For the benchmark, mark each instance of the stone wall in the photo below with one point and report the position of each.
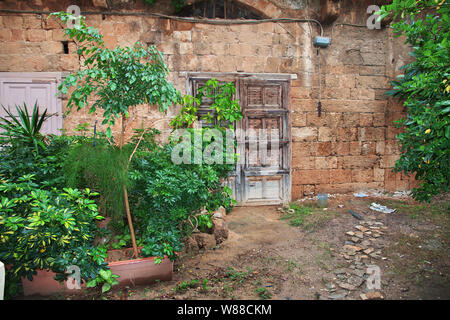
(350, 147)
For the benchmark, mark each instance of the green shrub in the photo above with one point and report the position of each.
(168, 198)
(47, 229)
(46, 166)
(424, 89)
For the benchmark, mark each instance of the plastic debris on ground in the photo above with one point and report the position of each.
(378, 207)
(355, 215)
(401, 194)
(360, 195)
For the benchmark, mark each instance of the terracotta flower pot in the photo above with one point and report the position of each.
(141, 270)
(44, 284)
(131, 272)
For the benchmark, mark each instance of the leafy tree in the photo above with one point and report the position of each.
(118, 79)
(424, 89)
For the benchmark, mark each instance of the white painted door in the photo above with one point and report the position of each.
(31, 88)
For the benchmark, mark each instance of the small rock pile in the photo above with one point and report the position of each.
(362, 248)
(209, 240)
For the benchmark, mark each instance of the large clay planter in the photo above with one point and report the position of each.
(131, 272)
(141, 271)
(44, 284)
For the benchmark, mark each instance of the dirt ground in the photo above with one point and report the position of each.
(323, 254)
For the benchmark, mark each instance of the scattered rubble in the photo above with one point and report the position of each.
(220, 213)
(362, 248)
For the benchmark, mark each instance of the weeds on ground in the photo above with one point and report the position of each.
(263, 293)
(308, 216)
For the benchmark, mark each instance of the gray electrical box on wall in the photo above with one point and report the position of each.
(322, 42)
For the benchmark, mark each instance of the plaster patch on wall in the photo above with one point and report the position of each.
(306, 56)
(291, 4)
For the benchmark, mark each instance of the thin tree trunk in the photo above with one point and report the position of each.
(130, 222)
(125, 196)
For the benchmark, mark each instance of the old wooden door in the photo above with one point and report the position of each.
(264, 143)
(262, 175)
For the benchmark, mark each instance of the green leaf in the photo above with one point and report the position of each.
(108, 132)
(106, 287)
(91, 283)
(105, 274)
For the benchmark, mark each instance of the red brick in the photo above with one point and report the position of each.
(350, 119)
(341, 148)
(349, 187)
(51, 47)
(32, 22)
(327, 134)
(302, 149)
(5, 34)
(309, 189)
(392, 147)
(325, 162)
(121, 29)
(300, 93)
(346, 134)
(36, 35)
(373, 82)
(323, 148)
(304, 163)
(313, 119)
(380, 147)
(365, 119)
(271, 65)
(368, 148)
(304, 105)
(354, 106)
(333, 93)
(362, 175)
(12, 21)
(311, 176)
(111, 41)
(17, 34)
(304, 134)
(355, 148)
(69, 62)
(192, 62)
(372, 70)
(340, 176)
(58, 35)
(182, 26)
(49, 22)
(297, 192)
(388, 161)
(371, 133)
(392, 132)
(299, 119)
(350, 162)
(378, 119)
(378, 174)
